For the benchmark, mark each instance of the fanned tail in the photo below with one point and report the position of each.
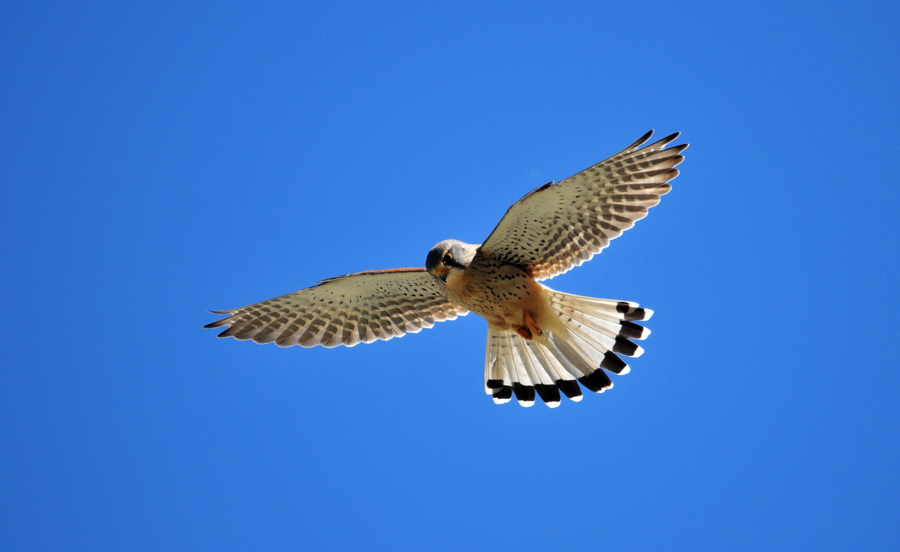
(593, 333)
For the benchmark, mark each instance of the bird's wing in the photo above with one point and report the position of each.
(559, 226)
(346, 310)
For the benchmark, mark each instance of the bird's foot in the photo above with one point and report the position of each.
(532, 325)
(529, 329)
(523, 331)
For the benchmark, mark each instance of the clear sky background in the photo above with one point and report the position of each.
(159, 159)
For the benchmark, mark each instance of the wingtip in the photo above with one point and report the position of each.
(503, 395)
(611, 362)
(221, 321)
(570, 389)
(640, 141)
(663, 142)
(216, 324)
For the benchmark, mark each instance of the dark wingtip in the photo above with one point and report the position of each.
(613, 363)
(217, 324)
(640, 141)
(524, 393)
(548, 393)
(597, 381)
(504, 393)
(221, 321)
(666, 141)
(629, 312)
(569, 388)
(638, 314)
(494, 384)
(624, 346)
(631, 330)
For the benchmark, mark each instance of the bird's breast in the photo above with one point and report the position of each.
(500, 293)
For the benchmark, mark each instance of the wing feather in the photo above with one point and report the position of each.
(346, 310)
(559, 226)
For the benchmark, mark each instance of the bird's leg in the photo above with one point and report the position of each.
(530, 329)
(523, 331)
(532, 325)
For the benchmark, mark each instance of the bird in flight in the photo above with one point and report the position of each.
(540, 341)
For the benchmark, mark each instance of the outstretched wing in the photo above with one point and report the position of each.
(346, 310)
(559, 226)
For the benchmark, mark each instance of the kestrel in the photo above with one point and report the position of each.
(539, 340)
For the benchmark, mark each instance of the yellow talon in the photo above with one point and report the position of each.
(523, 331)
(532, 325)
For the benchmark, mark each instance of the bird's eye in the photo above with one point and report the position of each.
(448, 259)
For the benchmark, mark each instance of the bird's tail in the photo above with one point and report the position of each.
(580, 349)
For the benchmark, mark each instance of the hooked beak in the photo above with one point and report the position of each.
(442, 273)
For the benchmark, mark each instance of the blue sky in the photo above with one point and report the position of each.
(161, 159)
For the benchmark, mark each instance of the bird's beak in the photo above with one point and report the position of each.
(442, 273)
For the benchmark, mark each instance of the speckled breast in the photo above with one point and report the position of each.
(499, 292)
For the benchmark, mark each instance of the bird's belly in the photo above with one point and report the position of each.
(501, 295)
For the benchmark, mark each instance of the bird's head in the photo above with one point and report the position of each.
(449, 256)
